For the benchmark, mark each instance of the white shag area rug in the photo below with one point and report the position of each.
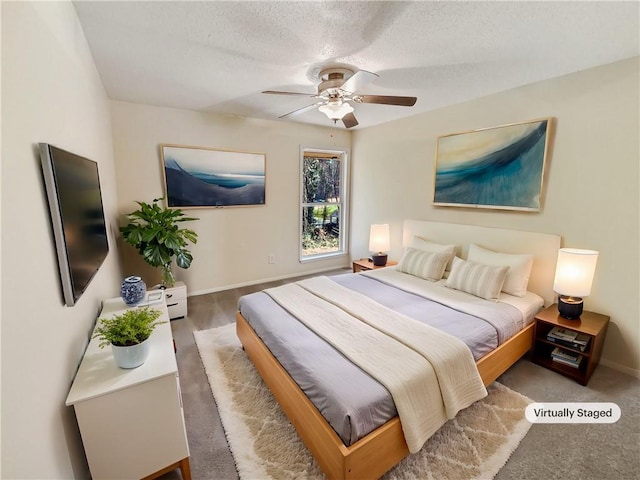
(474, 445)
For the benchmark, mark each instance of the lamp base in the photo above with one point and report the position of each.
(379, 259)
(570, 307)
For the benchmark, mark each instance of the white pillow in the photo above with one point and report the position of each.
(428, 246)
(427, 265)
(484, 281)
(519, 267)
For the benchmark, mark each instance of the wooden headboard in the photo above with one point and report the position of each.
(543, 246)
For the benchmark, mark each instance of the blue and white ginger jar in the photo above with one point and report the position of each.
(133, 290)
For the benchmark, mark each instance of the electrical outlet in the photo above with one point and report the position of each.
(271, 258)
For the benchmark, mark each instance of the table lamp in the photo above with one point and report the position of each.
(379, 242)
(574, 276)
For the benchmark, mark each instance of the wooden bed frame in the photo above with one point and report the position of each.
(374, 454)
(377, 452)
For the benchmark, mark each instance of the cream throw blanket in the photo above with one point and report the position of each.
(431, 375)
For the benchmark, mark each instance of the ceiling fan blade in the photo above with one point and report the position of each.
(387, 100)
(277, 92)
(349, 120)
(300, 110)
(358, 80)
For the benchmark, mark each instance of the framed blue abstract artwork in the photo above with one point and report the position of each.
(498, 167)
(206, 177)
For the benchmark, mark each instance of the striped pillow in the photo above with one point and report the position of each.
(427, 265)
(484, 281)
(428, 246)
(517, 279)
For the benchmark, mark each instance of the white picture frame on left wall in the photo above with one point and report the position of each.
(202, 177)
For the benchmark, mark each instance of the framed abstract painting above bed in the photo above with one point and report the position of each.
(498, 167)
(207, 177)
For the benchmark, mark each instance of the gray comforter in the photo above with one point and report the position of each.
(354, 403)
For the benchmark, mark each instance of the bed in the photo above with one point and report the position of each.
(359, 453)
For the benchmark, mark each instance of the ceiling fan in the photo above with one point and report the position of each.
(337, 88)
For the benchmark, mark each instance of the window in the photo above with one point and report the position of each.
(323, 204)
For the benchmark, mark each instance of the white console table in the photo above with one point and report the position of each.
(131, 420)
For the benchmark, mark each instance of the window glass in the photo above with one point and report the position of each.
(322, 208)
(321, 180)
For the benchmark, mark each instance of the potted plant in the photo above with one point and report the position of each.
(127, 333)
(155, 233)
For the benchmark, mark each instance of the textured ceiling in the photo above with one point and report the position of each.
(218, 56)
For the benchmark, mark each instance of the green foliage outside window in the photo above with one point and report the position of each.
(321, 199)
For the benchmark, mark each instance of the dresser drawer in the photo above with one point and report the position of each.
(176, 298)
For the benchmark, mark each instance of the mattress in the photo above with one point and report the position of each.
(351, 401)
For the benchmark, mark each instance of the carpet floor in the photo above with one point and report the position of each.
(567, 452)
(474, 445)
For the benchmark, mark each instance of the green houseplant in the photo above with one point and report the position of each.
(155, 233)
(127, 333)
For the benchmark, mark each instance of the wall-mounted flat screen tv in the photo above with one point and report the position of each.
(77, 218)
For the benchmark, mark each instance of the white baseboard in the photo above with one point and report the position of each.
(621, 368)
(263, 280)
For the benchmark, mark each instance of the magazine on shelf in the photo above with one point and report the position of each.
(567, 362)
(582, 339)
(562, 334)
(565, 355)
(579, 343)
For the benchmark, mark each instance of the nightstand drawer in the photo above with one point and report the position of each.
(176, 298)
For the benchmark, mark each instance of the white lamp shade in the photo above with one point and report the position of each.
(336, 110)
(574, 272)
(379, 238)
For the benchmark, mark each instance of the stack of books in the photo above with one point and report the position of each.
(569, 338)
(565, 357)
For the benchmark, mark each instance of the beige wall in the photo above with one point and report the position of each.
(591, 186)
(50, 93)
(234, 242)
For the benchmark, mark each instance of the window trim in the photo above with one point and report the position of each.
(344, 155)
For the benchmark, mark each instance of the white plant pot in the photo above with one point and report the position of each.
(132, 356)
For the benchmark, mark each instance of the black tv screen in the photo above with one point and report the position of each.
(77, 218)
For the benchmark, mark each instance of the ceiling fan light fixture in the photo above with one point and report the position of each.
(336, 110)
(337, 88)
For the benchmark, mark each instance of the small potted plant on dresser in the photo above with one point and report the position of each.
(128, 335)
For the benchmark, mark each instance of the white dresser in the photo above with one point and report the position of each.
(131, 420)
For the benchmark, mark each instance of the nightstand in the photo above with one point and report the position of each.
(592, 328)
(365, 264)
